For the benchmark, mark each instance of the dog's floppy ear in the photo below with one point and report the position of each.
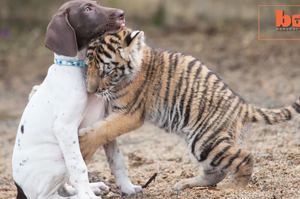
(60, 36)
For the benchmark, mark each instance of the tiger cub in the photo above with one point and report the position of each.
(177, 93)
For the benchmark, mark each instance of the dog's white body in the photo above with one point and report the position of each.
(46, 153)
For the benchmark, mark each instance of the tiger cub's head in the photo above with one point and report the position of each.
(113, 59)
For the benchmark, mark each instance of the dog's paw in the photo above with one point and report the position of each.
(33, 90)
(88, 194)
(99, 188)
(130, 189)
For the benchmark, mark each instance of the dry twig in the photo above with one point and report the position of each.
(149, 181)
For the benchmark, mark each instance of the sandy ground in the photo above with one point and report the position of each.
(265, 73)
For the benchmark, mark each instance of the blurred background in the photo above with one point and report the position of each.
(223, 34)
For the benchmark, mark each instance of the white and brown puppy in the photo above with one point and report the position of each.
(47, 153)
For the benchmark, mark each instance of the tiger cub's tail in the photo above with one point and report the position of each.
(273, 116)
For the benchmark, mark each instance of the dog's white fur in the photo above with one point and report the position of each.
(47, 154)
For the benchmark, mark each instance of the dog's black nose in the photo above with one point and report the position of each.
(120, 14)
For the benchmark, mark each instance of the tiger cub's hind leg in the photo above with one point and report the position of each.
(239, 164)
(210, 176)
(221, 158)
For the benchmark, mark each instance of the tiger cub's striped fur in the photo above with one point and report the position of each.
(179, 94)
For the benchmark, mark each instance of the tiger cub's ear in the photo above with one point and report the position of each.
(134, 50)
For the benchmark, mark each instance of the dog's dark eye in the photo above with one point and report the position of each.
(87, 9)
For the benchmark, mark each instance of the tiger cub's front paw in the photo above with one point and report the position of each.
(88, 144)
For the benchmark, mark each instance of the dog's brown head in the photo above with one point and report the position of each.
(77, 22)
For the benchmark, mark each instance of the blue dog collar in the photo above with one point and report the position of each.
(64, 62)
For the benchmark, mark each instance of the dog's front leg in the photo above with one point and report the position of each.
(117, 167)
(66, 132)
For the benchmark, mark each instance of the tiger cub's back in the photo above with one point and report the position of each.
(185, 92)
